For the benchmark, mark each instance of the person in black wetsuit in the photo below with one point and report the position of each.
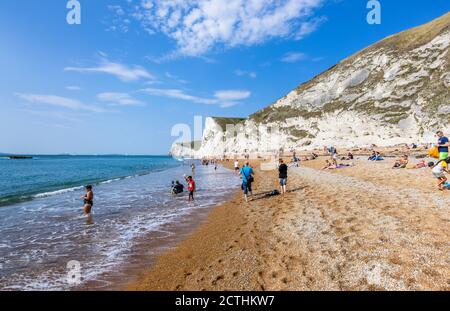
(177, 188)
(88, 200)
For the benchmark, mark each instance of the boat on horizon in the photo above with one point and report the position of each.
(20, 157)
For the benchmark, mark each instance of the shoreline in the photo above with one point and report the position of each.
(134, 220)
(146, 251)
(335, 230)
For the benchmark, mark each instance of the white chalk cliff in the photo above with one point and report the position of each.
(395, 91)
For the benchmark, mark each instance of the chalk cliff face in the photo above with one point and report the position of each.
(395, 91)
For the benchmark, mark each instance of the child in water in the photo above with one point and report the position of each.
(191, 187)
(438, 171)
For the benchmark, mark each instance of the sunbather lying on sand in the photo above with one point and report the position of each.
(402, 162)
(348, 157)
(330, 166)
(376, 156)
(342, 165)
(421, 164)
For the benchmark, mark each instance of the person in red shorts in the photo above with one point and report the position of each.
(191, 187)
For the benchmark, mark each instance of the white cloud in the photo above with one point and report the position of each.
(73, 88)
(228, 104)
(120, 22)
(309, 27)
(121, 99)
(176, 78)
(121, 71)
(241, 73)
(231, 95)
(292, 57)
(179, 94)
(59, 101)
(199, 26)
(117, 9)
(223, 98)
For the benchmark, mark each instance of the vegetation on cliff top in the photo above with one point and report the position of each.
(223, 122)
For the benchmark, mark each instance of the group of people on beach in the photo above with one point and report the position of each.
(178, 188)
(439, 169)
(441, 166)
(246, 172)
(332, 163)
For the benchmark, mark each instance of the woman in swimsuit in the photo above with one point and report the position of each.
(88, 200)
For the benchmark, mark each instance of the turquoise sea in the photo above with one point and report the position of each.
(42, 227)
(22, 180)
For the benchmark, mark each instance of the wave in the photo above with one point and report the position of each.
(75, 188)
(19, 198)
(52, 193)
(42, 191)
(112, 180)
(14, 199)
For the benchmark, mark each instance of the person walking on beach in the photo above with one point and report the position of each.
(282, 175)
(236, 166)
(88, 200)
(247, 174)
(334, 156)
(443, 144)
(191, 187)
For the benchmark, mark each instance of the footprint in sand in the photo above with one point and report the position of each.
(218, 278)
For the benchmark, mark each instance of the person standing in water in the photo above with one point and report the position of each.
(88, 200)
(191, 187)
(193, 169)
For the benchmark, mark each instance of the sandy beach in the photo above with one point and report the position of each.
(366, 227)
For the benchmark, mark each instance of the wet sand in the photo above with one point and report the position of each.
(367, 227)
(146, 251)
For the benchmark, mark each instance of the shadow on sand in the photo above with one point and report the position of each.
(268, 194)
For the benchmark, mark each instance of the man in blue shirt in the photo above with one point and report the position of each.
(247, 178)
(442, 145)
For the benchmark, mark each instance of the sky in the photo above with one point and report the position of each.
(133, 69)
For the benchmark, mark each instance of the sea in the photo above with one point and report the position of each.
(46, 243)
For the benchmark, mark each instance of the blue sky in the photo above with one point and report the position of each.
(133, 69)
